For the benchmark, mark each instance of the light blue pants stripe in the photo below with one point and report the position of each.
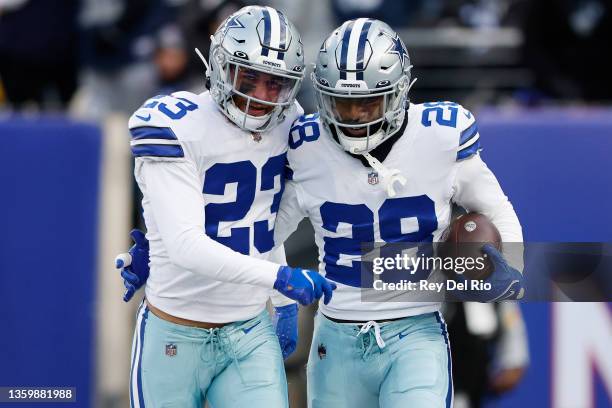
(238, 365)
(351, 370)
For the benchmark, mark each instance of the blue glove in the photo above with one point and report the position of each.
(286, 324)
(303, 285)
(506, 282)
(134, 264)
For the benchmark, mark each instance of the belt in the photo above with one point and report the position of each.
(361, 321)
(183, 322)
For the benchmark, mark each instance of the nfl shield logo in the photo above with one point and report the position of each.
(171, 350)
(373, 178)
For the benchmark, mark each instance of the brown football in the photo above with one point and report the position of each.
(465, 237)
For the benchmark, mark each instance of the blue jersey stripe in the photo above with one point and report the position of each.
(449, 392)
(468, 133)
(468, 151)
(157, 150)
(134, 354)
(345, 46)
(361, 48)
(148, 132)
(267, 32)
(139, 374)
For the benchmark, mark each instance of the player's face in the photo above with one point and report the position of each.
(259, 85)
(354, 111)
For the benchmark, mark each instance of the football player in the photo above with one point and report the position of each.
(371, 166)
(211, 170)
(387, 171)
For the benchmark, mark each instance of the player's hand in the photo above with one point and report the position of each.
(286, 324)
(134, 264)
(303, 285)
(506, 282)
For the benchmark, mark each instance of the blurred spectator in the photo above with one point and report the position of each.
(489, 350)
(38, 58)
(198, 20)
(120, 39)
(565, 43)
(171, 56)
(397, 14)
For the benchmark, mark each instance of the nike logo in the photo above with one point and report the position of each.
(247, 330)
(145, 118)
(402, 335)
(468, 114)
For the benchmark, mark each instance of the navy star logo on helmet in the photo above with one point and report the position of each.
(232, 22)
(398, 48)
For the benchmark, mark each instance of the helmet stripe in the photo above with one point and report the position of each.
(361, 48)
(275, 28)
(283, 35)
(267, 32)
(345, 48)
(353, 47)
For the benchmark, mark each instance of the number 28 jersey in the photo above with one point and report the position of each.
(210, 196)
(438, 154)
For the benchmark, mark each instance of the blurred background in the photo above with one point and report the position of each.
(538, 75)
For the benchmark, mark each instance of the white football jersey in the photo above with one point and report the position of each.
(348, 205)
(210, 196)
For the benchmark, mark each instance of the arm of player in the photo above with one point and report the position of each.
(285, 318)
(277, 299)
(173, 191)
(289, 213)
(477, 189)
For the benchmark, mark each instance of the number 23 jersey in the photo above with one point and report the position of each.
(438, 154)
(210, 196)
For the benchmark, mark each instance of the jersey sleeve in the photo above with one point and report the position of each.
(276, 298)
(469, 138)
(289, 214)
(154, 135)
(173, 192)
(476, 189)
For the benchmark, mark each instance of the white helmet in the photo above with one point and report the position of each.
(363, 67)
(255, 44)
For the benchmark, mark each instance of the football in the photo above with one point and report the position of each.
(465, 237)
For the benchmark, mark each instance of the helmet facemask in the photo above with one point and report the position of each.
(362, 120)
(253, 96)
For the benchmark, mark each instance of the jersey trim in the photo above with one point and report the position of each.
(157, 150)
(469, 142)
(150, 132)
(155, 142)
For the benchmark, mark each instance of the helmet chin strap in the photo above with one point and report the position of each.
(207, 71)
(388, 176)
